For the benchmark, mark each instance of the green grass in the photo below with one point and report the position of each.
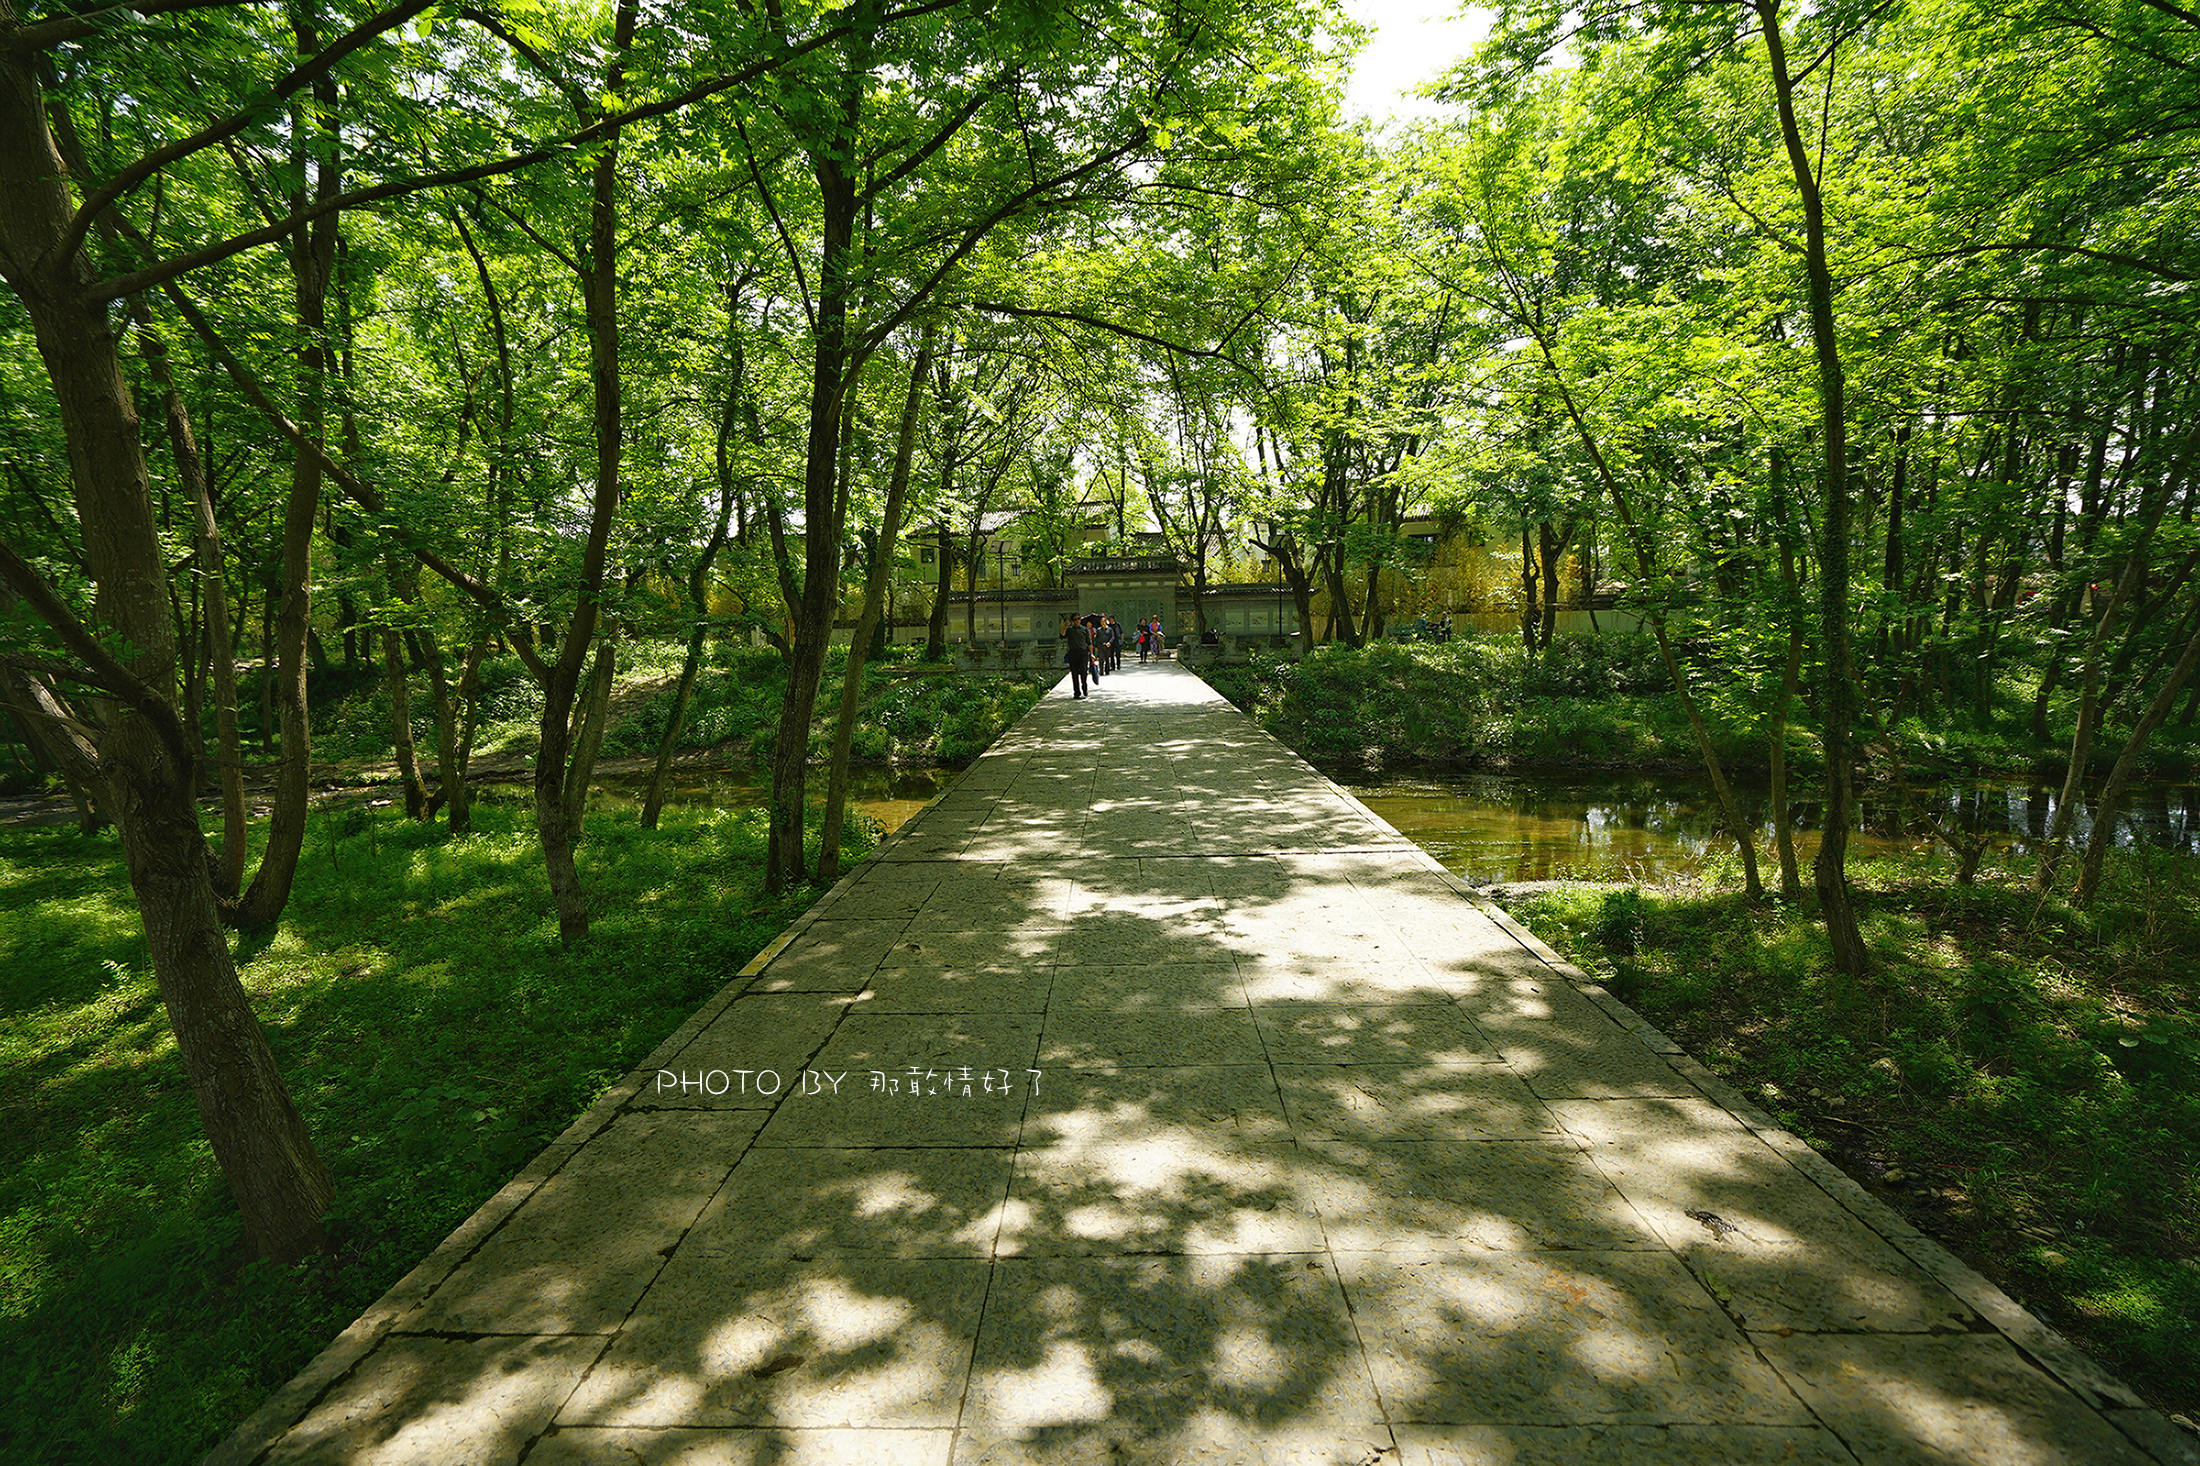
(1604, 702)
(1476, 701)
(912, 712)
(433, 1031)
(2032, 1070)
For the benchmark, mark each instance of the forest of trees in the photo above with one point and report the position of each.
(1858, 340)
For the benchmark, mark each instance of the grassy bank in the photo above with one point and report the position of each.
(912, 712)
(1591, 702)
(132, 1328)
(2022, 1078)
(1475, 701)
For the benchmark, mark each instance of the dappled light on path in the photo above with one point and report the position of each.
(1146, 1100)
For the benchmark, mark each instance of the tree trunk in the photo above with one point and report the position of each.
(450, 778)
(2107, 807)
(836, 276)
(468, 698)
(401, 731)
(221, 657)
(268, 601)
(1553, 552)
(1830, 869)
(589, 719)
(970, 579)
(935, 630)
(1528, 596)
(2149, 512)
(55, 736)
(1730, 808)
(257, 1135)
(698, 584)
(1783, 823)
(600, 290)
(874, 595)
(1342, 625)
(313, 267)
(653, 801)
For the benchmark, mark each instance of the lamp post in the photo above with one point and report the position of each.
(1000, 581)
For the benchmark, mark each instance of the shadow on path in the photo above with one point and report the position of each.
(1148, 1100)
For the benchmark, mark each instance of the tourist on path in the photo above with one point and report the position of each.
(1077, 652)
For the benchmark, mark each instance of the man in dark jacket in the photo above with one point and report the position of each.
(1077, 651)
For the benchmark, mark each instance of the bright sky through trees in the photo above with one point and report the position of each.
(1413, 42)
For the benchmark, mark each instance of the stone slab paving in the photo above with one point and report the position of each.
(1147, 1099)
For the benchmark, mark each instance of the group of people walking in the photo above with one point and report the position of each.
(1092, 647)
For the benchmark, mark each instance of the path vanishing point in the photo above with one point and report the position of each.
(1147, 1099)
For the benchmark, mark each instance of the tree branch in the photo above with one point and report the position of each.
(361, 493)
(978, 98)
(162, 271)
(299, 77)
(43, 35)
(101, 667)
(1001, 308)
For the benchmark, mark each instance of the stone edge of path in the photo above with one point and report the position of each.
(2147, 1428)
(2151, 1432)
(295, 1399)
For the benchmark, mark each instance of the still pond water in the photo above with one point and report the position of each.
(1650, 827)
(1528, 827)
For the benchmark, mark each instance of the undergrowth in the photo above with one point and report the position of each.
(433, 1031)
(2025, 1073)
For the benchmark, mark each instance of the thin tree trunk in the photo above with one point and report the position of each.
(1730, 807)
(2110, 804)
(1783, 823)
(468, 698)
(183, 447)
(698, 585)
(837, 279)
(268, 601)
(935, 628)
(1553, 547)
(1830, 869)
(313, 266)
(874, 596)
(589, 717)
(2089, 691)
(401, 731)
(1646, 555)
(1528, 596)
(600, 291)
(653, 801)
(54, 735)
(450, 783)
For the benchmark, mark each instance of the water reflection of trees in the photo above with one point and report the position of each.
(1522, 826)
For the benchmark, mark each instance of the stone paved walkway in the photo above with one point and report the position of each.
(1148, 1100)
